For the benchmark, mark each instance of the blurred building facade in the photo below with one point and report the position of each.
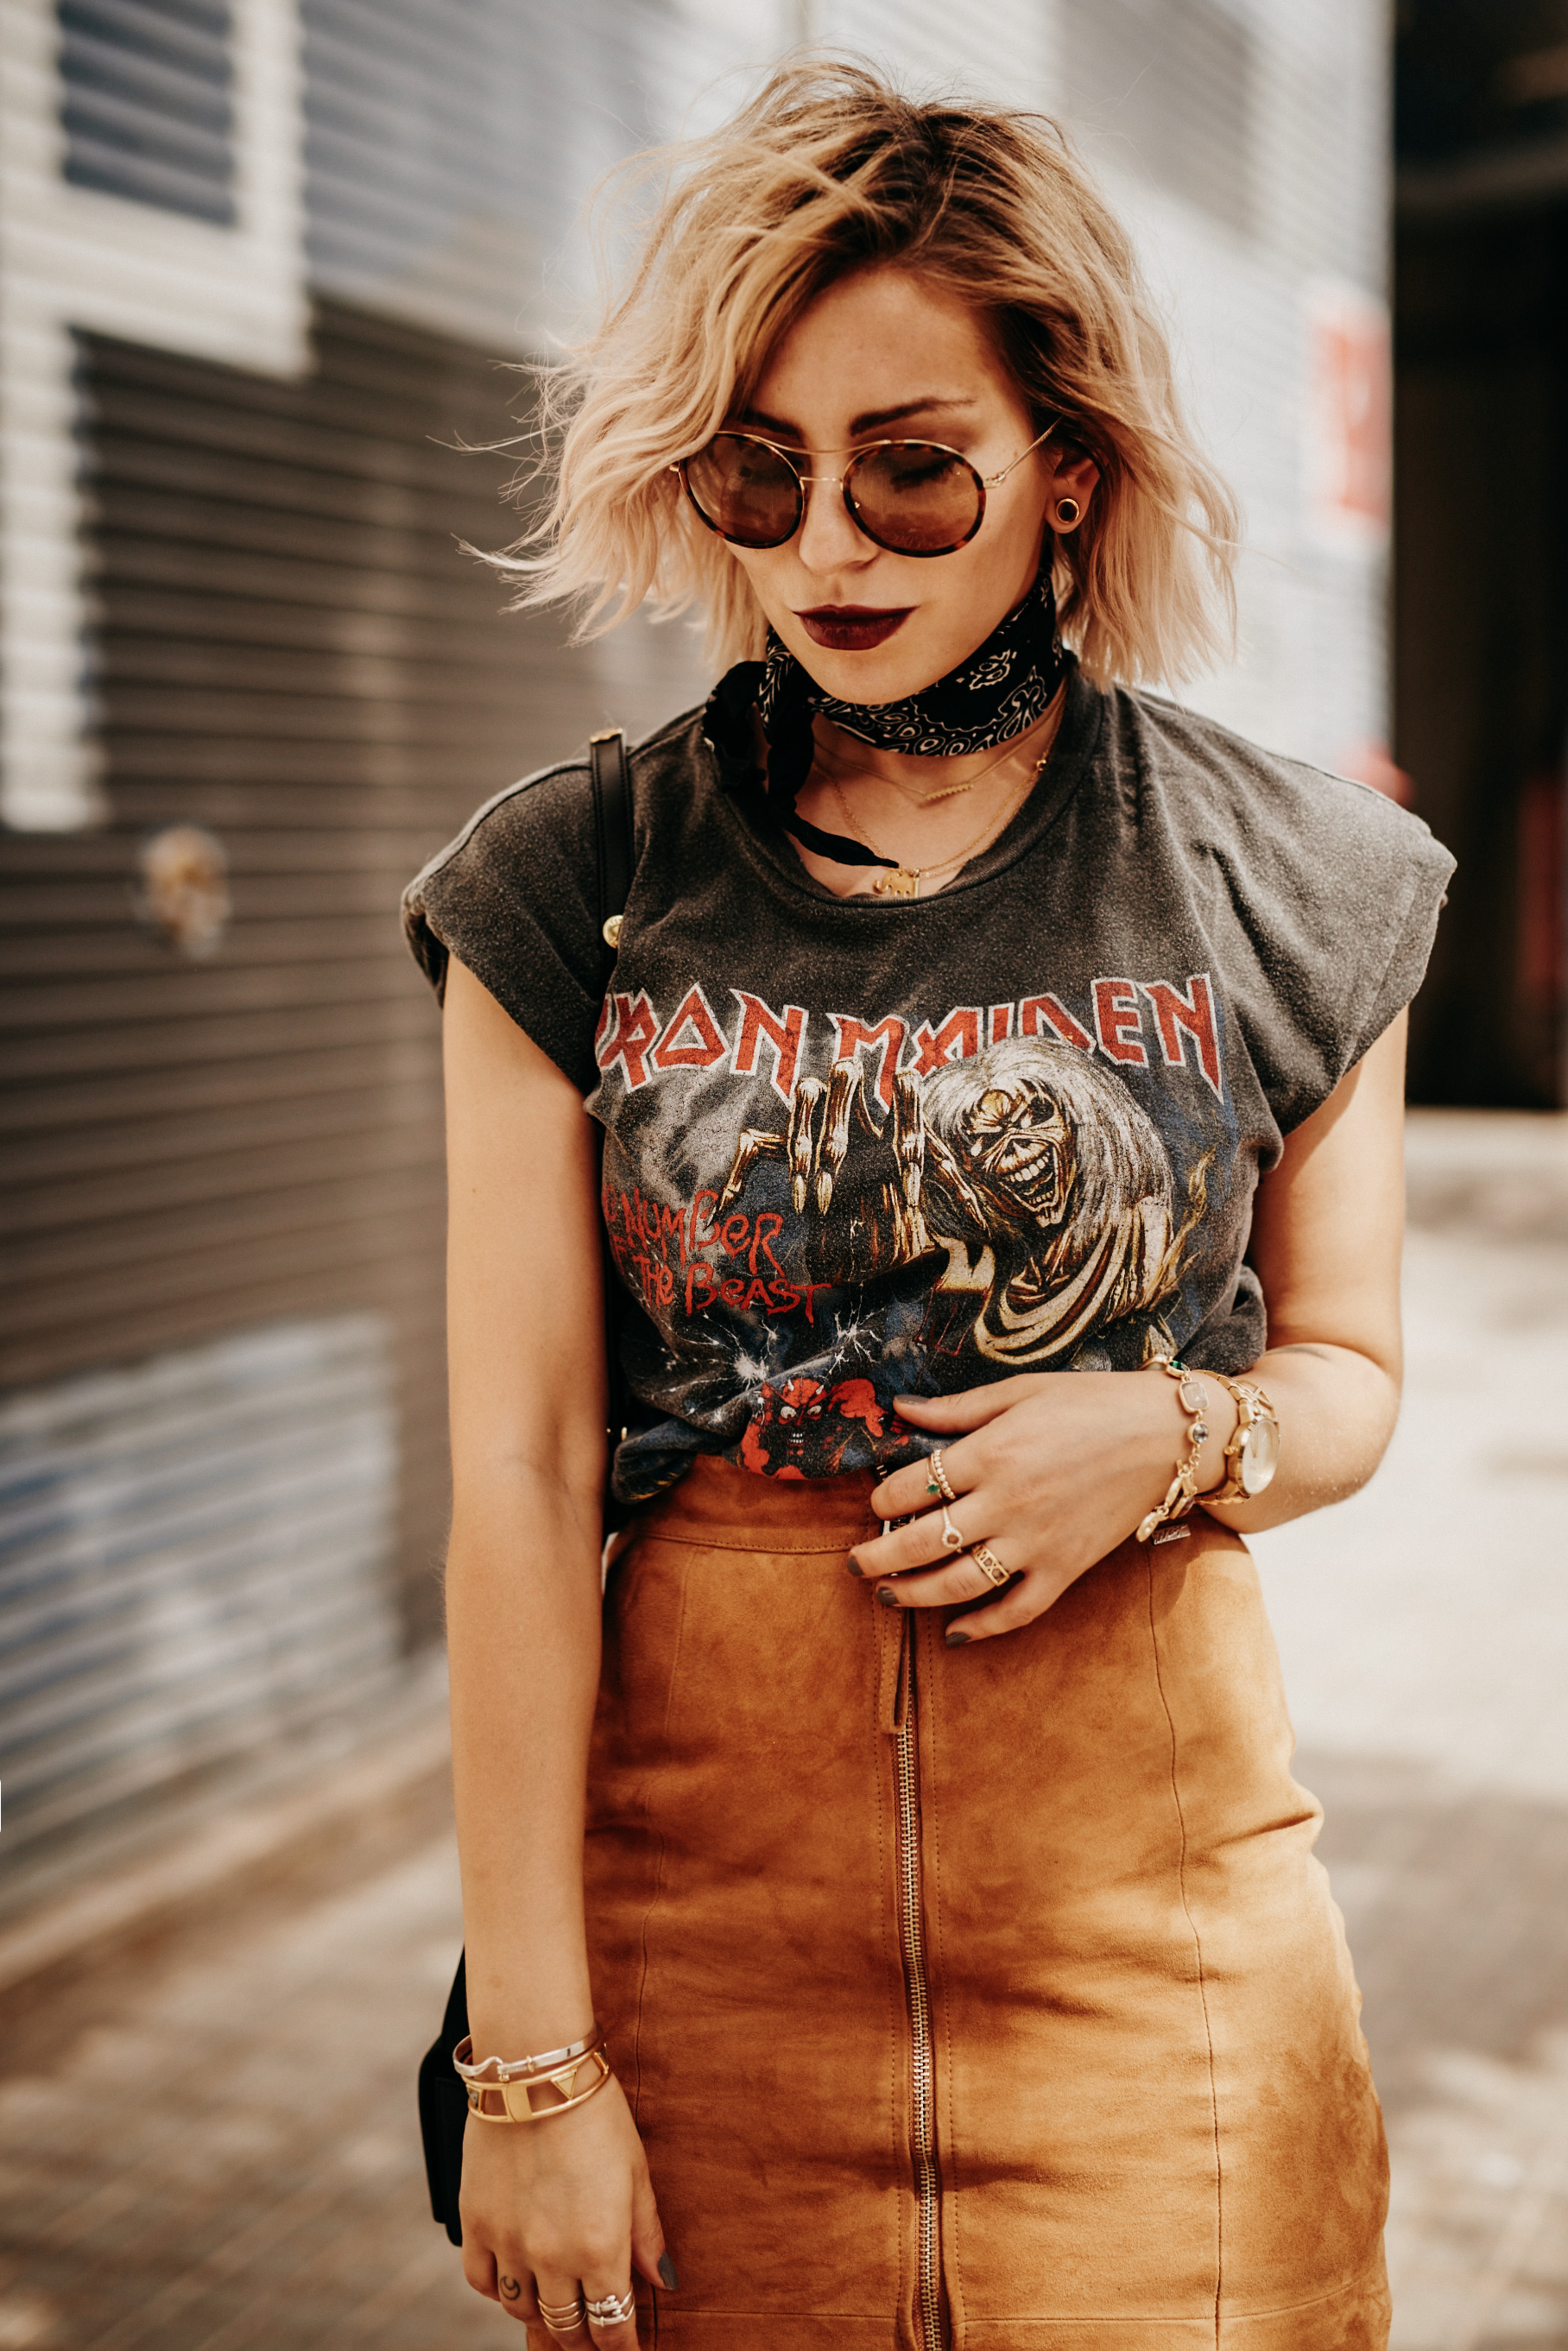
(261, 264)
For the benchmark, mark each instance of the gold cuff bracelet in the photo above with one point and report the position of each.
(510, 2095)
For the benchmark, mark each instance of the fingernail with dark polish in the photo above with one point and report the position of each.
(667, 2272)
(956, 1637)
(854, 1567)
(887, 1596)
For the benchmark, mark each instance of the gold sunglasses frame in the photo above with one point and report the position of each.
(857, 450)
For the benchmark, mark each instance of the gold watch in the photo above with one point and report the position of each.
(1253, 1455)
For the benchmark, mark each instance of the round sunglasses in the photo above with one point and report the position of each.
(912, 497)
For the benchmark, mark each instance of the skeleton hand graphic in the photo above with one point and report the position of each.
(859, 1175)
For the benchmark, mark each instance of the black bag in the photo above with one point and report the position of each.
(442, 2099)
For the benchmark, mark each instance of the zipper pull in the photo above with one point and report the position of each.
(895, 1630)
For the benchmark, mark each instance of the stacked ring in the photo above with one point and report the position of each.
(937, 1481)
(990, 1565)
(562, 2318)
(613, 2309)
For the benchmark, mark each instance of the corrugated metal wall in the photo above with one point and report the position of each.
(1245, 146)
(450, 145)
(291, 652)
(146, 101)
(194, 1557)
(1158, 68)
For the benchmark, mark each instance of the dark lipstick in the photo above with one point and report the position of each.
(852, 628)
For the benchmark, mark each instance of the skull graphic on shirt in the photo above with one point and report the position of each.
(1029, 1164)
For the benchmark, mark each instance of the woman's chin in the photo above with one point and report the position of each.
(885, 673)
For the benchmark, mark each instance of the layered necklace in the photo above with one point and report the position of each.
(927, 799)
(902, 881)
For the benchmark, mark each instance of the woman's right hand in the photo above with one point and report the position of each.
(559, 2207)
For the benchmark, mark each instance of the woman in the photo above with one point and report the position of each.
(952, 1921)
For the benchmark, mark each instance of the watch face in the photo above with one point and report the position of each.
(1260, 1454)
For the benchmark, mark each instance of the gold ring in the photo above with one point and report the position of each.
(951, 1539)
(562, 2318)
(936, 1476)
(990, 1566)
(613, 2309)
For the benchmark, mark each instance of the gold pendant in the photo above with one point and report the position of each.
(903, 881)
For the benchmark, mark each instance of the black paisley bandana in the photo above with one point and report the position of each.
(1005, 687)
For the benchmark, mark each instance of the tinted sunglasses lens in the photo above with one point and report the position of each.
(915, 498)
(745, 491)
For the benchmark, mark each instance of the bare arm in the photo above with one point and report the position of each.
(1327, 1230)
(568, 2197)
(1053, 1473)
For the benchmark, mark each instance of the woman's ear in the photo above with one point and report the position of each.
(1072, 479)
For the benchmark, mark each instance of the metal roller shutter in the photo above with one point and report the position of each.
(146, 103)
(194, 1561)
(292, 653)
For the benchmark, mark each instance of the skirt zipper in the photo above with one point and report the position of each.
(912, 1936)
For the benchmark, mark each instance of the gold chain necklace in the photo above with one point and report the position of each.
(903, 881)
(948, 791)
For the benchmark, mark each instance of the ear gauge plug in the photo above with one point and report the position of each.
(1067, 511)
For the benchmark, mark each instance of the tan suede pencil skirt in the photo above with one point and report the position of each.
(988, 1997)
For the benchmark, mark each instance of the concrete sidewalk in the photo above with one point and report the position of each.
(213, 2142)
(208, 2134)
(1424, 1628)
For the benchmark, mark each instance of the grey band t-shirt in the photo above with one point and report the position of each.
(855, 1148)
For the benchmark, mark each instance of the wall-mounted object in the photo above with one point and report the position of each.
(184, 892)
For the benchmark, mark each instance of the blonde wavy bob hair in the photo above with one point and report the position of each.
(829, 170)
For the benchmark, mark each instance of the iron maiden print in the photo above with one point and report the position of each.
(818, 1211)
(834, 1174)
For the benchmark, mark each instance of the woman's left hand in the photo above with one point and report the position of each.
(1052, 1471)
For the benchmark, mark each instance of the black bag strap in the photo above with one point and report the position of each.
(610, 781)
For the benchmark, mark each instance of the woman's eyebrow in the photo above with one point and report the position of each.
(931, 401)
(759, 420)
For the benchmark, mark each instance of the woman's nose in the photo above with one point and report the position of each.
(830, 537)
